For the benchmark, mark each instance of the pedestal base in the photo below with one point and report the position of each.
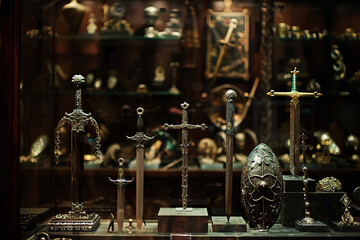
(324, 207)
(317, 226)
(171, 220)
(296, 184)
(66, 223)
(221, 224)
(344, 228)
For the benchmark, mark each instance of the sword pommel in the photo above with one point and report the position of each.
(230, 95)
(78, 81)
(184, 105)
(140, 121)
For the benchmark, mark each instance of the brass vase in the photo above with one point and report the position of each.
(73, 13)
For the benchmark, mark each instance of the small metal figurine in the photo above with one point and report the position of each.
(77, 219)
(307, 219)
(111, 223)
(347, 218)
(141, 139)
(184, 126)
(130, 227)
(230, 96)
(294, 118)
(121, 182)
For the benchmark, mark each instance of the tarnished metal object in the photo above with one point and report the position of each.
(347, 218)
(121, 182)
(77, 219)
(294, 118)
(262, 187)
(184, 126)
(141, 139)
(230, 96)
(328, 184)
(307, 219)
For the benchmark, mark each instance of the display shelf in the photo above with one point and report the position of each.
(150, 232)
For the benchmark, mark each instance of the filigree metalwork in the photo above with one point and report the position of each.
(78, 119)
(262, 187)
(347, 218)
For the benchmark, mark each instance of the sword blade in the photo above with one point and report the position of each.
(139, 186)
(120, 207)
(294, 136)
(229, 175)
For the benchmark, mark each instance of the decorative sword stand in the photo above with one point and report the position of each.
(190, 219)
(307, 224)
(77, 219)
(220, 223)
(140, 138)
(121, 182)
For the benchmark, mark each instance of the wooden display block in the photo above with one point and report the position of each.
(235, 224)
(177, 220)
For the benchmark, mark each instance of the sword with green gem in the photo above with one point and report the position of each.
(184, 126)
(140, 138)
(78, 120)
(121, 182)
(294, 119)
(230, 95)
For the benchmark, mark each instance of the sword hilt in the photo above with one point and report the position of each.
(140, 120)
(78, 81)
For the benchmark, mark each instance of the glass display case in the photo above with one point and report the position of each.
(157, 55)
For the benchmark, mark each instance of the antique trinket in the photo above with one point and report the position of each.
(184, 126)
(77, 219)
(328, 184)
(294, 118)
(121, 182)
(73, 13)
(140, 138)
(262, 187)
(130, 227)
(347, 218)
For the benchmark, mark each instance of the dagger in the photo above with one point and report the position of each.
(230, 95)
(225, 42)
(294, 119)
(121, 182)
(140, 138)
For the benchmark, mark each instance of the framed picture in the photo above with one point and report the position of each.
(234, 63)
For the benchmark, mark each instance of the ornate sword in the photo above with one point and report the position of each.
(140, 138)
(230, 113)
(121, 182)
(78, 120)
(184, 126)
(294, 119)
